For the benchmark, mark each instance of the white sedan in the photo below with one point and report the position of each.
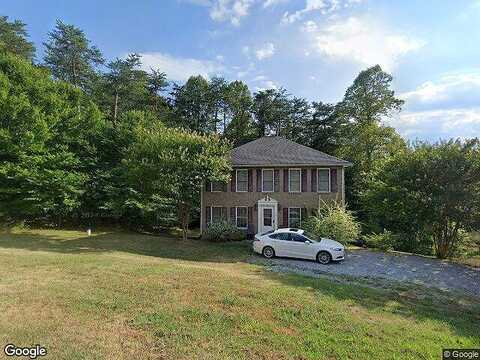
(297, 243)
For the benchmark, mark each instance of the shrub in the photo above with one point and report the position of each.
(383, 241)
(220, 231)
(334, 222)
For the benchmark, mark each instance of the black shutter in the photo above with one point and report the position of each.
(233, 181)
(208, 214)
(304, 180)
(303, 215)
(285, 217)
(333, 180)
(250, 220)
(250, 185)
(285, 180)
(259, 180)
(276, 180)
(233, 218)
(314, 180)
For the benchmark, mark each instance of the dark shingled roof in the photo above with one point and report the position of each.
(275, 150)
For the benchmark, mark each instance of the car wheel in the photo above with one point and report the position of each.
(324, 257)
(268, 252)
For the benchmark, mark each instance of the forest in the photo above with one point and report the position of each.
(89, 141)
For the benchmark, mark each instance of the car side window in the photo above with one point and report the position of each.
(299, 238)
(284, 236)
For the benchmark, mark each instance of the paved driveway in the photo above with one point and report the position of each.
(398, 267)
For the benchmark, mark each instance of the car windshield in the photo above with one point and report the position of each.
(311, 236)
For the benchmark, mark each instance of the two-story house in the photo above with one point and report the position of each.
(275, 183)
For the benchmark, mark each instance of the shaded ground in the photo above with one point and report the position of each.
(419, 270)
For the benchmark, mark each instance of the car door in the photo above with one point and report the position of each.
(301, 247)
(281, 244)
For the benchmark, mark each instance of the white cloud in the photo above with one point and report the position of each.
(265, 52)
(323, 6)
(230, 10)
(455, 88)
(362, 41)
(442, 108)
(265, 85)
(180, 69)
(268, 3)
(438, 124)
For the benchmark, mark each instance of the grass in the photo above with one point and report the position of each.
(130, 296)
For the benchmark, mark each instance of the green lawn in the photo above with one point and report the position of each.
(129, 296)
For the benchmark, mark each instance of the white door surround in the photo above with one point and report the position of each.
(267, 214)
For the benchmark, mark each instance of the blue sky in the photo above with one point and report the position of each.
(313, 48)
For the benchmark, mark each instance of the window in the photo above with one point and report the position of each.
(268, 217)
(299, 238)
(294, 180)
(323, 180)
(267, 180)
(294, 217)
(242, 180)
(216, 186)
(281, 236)
(216, 213)
(241, 217)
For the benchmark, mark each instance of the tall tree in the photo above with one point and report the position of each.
(124, 86)
(13, 38)
(157, 84)
(296, 120)
(240, 128)
(366, 103)
(217, 93)
(175, 163)
(48, 134)
(70, 56)
(271, 108)
(429, 191)
(192, 104)
(370, 97)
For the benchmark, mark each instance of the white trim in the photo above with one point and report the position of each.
(343, 187)
(273, 180)
(289, 177)
(211, 212)
(236, 216)
(236, 180)
(300, 213)
(329, 181)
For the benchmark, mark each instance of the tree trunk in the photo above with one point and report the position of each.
(184, 213)
(115, 108)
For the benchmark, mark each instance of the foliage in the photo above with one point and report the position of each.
(430, 190)
(48, 131)
(383, 241)
(222, 230)
(370, 98)
(335, 222)
(175, 163)
(13, 39)
(70, 57)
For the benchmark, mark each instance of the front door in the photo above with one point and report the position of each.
(267, 219)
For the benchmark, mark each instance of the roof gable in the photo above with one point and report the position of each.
(275, 150)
